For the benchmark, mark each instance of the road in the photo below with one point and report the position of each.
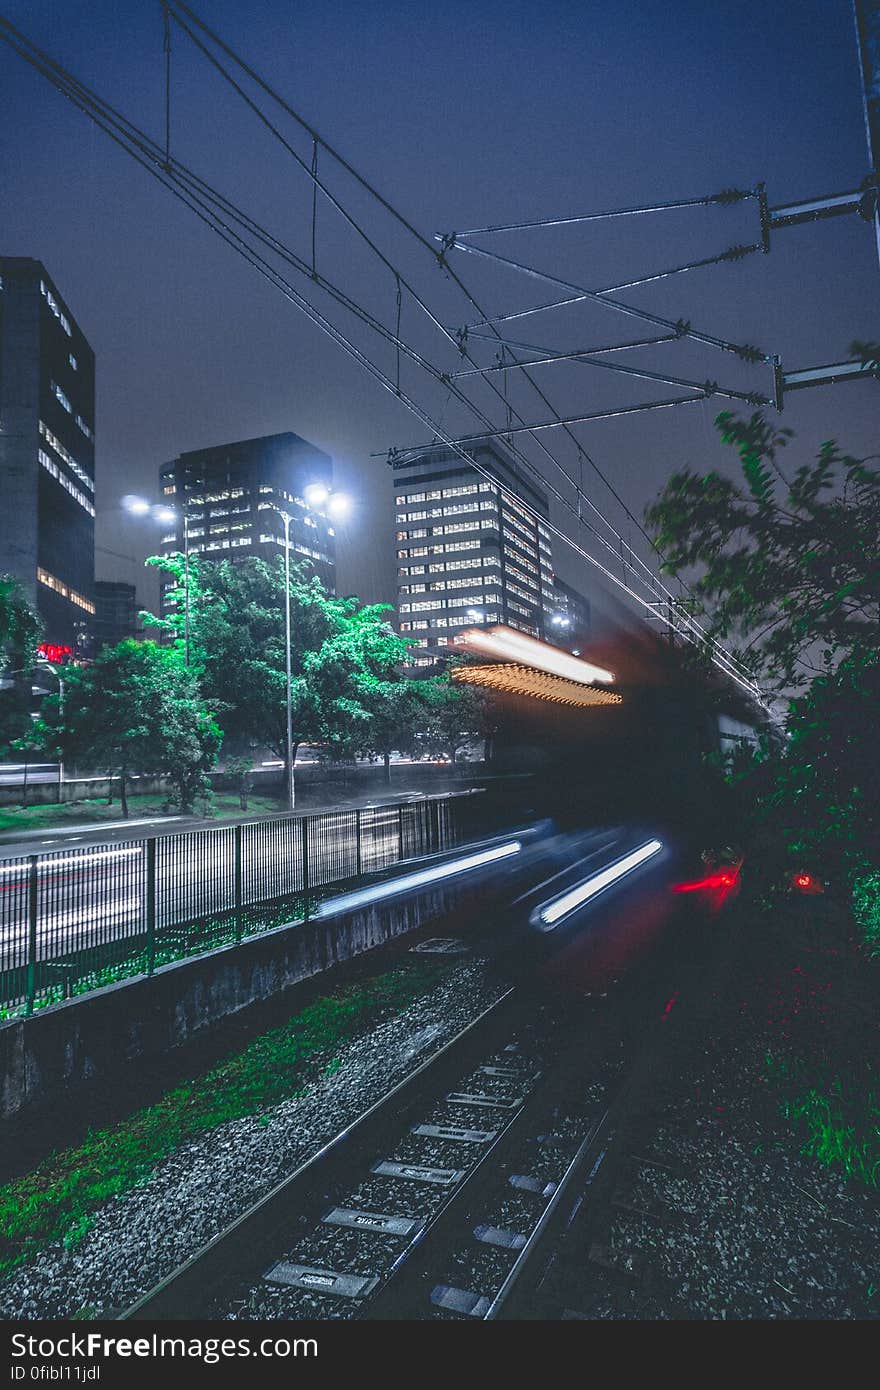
(93, 895)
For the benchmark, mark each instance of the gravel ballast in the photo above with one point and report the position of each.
(138, 1238)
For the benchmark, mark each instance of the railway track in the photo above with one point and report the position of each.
(474, 1189)
(444, 1198)
(464, 1158)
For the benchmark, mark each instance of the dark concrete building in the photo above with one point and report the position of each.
(227, 496)
(468, 550)
(47, 452)
(569, 622)
(116, 615)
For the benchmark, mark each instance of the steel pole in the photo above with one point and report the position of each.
(290, 788)
(185, 586)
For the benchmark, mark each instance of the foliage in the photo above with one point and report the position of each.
(866, 910)
(791, 564)
(135, 708)
(240, 768)
(19, 634)
(826, 795)
(343, 653)
(15, 720)
(840, 1123)
(57, 1199)
(19, 626)
(395, 709)
(451, 716)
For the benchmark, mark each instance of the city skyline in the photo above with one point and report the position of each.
(165, 392)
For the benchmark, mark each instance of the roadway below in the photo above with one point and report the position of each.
(14, 842)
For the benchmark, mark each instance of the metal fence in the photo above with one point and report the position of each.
(75, 919)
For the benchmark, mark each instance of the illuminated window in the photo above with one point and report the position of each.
(56, 308)
(59, 587)
(52, 467)
(60, 396)
(55, 443)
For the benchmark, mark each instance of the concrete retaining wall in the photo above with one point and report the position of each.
(71, 1048)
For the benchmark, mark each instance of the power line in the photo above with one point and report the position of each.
(98, 111)
(725, 198)
(394, 212)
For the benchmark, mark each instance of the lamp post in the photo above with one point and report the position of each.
(285, 517)
(317, 496)
(139, 506)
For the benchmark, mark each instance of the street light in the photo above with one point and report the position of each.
(316, 496)
(285, 517)
(165, 515)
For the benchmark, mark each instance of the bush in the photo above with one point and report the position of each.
(866, 910)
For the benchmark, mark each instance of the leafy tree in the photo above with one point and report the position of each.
(341, 653)
(451, 716)
(136, 708)
(394, 724)
(19, 626)
(825, 798)
(240, 768)
(789, 566)
(19, 634)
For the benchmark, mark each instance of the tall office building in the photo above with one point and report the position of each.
(227, 495)
(468, 550)
(116, 617)
(47, 453)
(570, 621)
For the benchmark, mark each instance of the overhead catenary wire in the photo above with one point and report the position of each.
(76, 93)
(549, 356)
(393, 211)
(355, 225)
(655, 582)
(683, 327)
(733, 253)
(706, 388)
(725, 197)
(730, 195)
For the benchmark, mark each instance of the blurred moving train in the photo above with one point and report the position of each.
(618, 755)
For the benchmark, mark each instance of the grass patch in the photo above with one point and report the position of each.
(172, 944)
(58, 1199)
(838, 1121)
(224, 806)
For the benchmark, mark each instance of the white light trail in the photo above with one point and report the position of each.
(64, 861)
(515, 646)
(546, 917)
(423, 878)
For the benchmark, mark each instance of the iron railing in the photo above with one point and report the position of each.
(74, 919)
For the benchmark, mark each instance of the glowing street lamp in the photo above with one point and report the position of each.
(316, 494)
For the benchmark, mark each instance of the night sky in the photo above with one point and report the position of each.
(463, 115)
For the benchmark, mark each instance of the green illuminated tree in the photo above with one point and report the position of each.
(19, 626)
(136, 708)
(342, 654)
